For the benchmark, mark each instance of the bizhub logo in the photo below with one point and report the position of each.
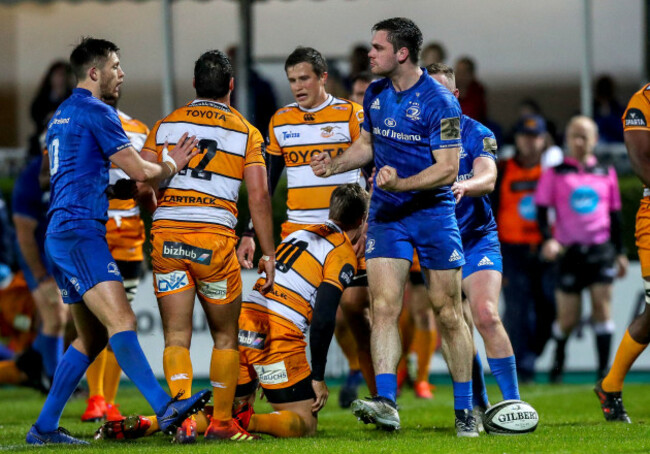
(251, 339)
(584, 200)
(175, 250)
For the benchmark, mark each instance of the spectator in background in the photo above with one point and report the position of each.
(527, 280)
(262, 93)
(433, 52)
(472, 93)
(360, 83)
(607, 110)
(359, 61)
(529, 106)
(56, 86)
(586, 242)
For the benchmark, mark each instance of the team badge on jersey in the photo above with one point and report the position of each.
(346, 275)
(490, 145)
(413, 111)
(634, 117)
(327, 131)
(450, 128)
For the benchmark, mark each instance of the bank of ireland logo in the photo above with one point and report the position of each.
(390, 122)
(584, 200)
(527, 208)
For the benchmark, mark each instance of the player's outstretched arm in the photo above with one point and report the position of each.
(638, 148)
(320, 337)
(138, 169)
(482, 183)
(442, 173)
(356, 156)
(259, 204)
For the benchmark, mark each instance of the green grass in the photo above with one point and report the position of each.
(570, 422)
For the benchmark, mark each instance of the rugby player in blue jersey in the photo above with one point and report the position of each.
(412, 128)
(477, 176)
(83, 138)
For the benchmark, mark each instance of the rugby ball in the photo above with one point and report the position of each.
(510, 417)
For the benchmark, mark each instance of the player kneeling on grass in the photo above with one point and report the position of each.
(313, 267)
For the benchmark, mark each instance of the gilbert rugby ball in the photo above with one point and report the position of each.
(510, 417)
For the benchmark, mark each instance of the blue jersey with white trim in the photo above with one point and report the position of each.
(406, 127)
(474, 214)
(81, 136)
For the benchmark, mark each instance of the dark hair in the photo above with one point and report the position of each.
(436, 47)
(212, 74)
(402, 32)
(441, 68)
(467, 61)
(364, 76)
(348, 205)
(307, 55)
(90, 52)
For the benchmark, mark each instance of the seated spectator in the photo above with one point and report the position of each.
(472, 93)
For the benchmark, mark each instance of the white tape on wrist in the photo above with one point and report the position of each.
(167, 158)
(267, 258)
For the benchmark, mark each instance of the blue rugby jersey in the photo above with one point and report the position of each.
(474, 214)
(81, 136)
(30, 201)
(406, 127)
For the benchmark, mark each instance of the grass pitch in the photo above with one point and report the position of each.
(570, 422)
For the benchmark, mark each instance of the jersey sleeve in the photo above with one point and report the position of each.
(254, 156)
(340, 266)
(107, 129)
(366, 106)
(615, 192)
(637, 112)
(150, 141)
(484, 145)
(356, 121)
(444, 125)
(273, 146)
(544, 191)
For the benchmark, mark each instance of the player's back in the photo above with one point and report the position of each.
(304, 260)
(474, 214)
(297, 135)
(82, 135)
(204, 194)
(406, 126)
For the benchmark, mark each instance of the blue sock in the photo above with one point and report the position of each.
(463, 395)
(387, 386)
(131, 359)
(51, 350)
(69, 373)
(504, 371)
(6, 353)
(479, 392)
(354, 379)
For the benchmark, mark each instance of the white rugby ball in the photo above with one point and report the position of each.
(510, 417)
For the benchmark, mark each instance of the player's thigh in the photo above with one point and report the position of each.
(444, 287)
(222, 320)
(482, 290)
(601, 299)
(176, 311)
(569, 307)
(107, 300)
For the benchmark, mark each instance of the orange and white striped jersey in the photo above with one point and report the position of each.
(204, 194)
(298, 134)
(137, 132)
(304, 260)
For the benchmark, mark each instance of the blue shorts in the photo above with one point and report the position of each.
(32, 283)
(80, 260)
(482, 253)
(435, 237)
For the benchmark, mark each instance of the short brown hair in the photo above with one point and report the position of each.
(441, 68)
(348, 205)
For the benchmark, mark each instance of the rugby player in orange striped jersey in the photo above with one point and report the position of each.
(314, 266)
(194, 240)
(318, 122)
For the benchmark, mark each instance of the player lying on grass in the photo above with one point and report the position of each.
(313, 267)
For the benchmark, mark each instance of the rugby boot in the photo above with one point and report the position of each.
(611, 404)
(186, 433)
(58, 436)
(243, 414)
(465, 424)
(178, 410)
(423, 390)
(95, 410)
(113, 413)
(128, 428)
(379, 411)
(228, 430)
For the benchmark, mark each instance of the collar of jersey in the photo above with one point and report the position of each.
(416, 85)
(329, 99)
(333, 225)
(210, 103)
(82, 91)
